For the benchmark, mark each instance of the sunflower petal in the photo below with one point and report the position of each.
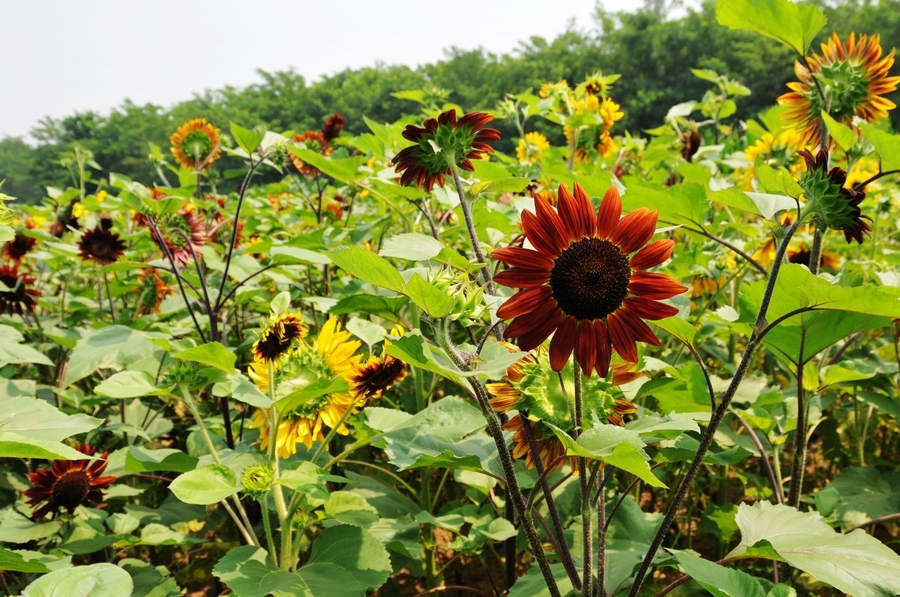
(533, 337)
(524, 302)
(648, 308)
(576, 212)
(516, 277)
(524, 258)
(552, 224)
(586, 346)
(653, 254)
(562, 343)
(609, 213)
(622, 341)
(603, 349)
(655, 286)
(634, 230)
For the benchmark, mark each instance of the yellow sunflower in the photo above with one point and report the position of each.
(531, 147)
(855, 78)
(780, 151)
(196, 144)
(332, 355)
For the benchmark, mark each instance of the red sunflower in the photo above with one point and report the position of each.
(101, 246)
(16, 249)
(439, 140)
(581, 282)
(20, 297)
(68, 484)
(315, 141)
(182, 232)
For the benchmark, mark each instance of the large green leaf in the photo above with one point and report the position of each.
(212, 354)
(865, 494)
(12, 351)
(36, 419)
(412, 246)
(130, 384)
(887, 146)
(368, 267)
(14, 445)
(345, 170)
(16, 562)
(794, 25)
(426, 295)
(205, 485)
(718, 580)
(114, 347)
(96, 580)
(856, 563)
(145, 460)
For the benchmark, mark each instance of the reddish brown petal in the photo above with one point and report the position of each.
(603, 348)
(524, 258)
(620, 337)
(522, 324)
(655, 286)
(638, 329)
(635, 229)
(576, 212)
(562, 343)
(533, 337)
(586, 346)
(536, 234)
(648, 308)
(524, 302)
(653, 254)
(609, 213)
(517, 277)
(552, 224)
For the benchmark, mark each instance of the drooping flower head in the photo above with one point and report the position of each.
(332, 355)
(15, 250)
(278, 336)
(333, 126)
(21, 296)
(531, 147)
(585, 281)
(196, 144)
(836, 204)
(101, 246)
(151, 292)
(854, 78)
(68, 484)
(442, 139)
(315, 141)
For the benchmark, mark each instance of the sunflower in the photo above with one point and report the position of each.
(333, 126)
(182, 232)
(151, 292)
(275, 340)
(580, 283)
(531, 147)
(196, 144)
(68, 484)
(442, 139)
(778, 152)
(20, 297)
(332, 355)
(101, 246)
(16, 249)
(801, 255)
(315, 141)
(835, 203)
(378, 374)
(853, 75)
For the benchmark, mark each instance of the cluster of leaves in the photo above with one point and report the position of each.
(166, 354)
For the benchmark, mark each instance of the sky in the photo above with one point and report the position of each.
(58, 57)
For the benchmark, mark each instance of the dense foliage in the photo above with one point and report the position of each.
(514, 351)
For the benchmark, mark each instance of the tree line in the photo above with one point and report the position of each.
(653, 52)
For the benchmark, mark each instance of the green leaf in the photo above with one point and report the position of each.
(681, 204)
(887, 146)
(10, 560)
(114, 347)
(368, 267)
(856, 563)
(761, 204)
(350, 508)
(145, 460)
(247, 139)
(205, 485)
(96, 580)
(369, 332)
(15, 528)
(794, 25)
(318, 388)
(865, 494)
(244, 390)
(718, 580)
(281, 303)
(412, 246)
(130, 384)
(12, 352)
(354, 550)
(426, 295)
(678, 328)
(13, 445)
(502, 185)
(212, 354)
(33, 418)
(286, 254)
(840, 132)
(344, 170)
(412, 349)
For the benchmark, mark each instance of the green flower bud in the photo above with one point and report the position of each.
(257, 480)
(836, 205)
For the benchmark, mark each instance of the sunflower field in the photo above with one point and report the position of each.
(404, 363)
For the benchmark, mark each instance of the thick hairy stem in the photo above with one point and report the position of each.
(473, 235)
(815, 254)
(716, 419)
(601, 537)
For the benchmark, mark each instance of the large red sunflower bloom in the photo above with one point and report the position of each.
(579, 283)
(68, 484)
(439, 140)
(20, 297)
(101, 246)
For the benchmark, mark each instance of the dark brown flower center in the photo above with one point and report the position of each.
(590, 278)
(71, 489)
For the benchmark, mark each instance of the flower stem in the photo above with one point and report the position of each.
(270, 540)
(716, 419)
(278, 493)
(587, 531)
(470, 225)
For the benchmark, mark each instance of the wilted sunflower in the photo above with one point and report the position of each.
(20, 297)
(15, 250)
(529, 385)
(853, 75)
(332, 355)
(196, 144)
(579, 283)
(189, 222)
(439, 140)
(315, 141)
(834, 202)
(151, 292)
(101, 246)
(68, 484)
(531, 147)
(277, 337)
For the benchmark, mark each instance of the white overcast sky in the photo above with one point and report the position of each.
(62, 56)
